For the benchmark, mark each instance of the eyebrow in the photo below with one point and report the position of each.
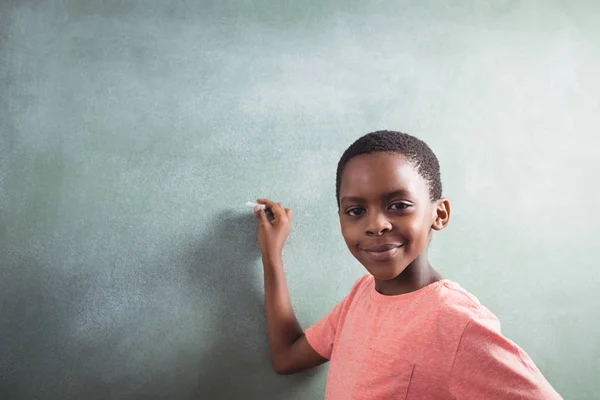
(387, 196)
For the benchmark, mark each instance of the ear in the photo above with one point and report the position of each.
(441, 214)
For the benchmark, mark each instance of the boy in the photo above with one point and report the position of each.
(403, 332)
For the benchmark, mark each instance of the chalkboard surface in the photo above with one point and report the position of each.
(132, 133)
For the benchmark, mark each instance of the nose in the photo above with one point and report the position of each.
(377, 224)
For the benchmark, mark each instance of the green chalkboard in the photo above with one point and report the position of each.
(133, 133)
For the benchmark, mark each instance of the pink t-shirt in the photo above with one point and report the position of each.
(437, 342)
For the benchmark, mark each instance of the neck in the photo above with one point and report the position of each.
(415, 276)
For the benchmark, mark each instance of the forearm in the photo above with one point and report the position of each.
(283, 328)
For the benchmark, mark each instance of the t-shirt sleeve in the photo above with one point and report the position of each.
(487, 365)
(321, 335)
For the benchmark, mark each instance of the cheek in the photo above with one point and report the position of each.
(350, 234)
(416, 229)
(346, 232)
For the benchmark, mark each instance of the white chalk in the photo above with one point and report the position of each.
(251, 204)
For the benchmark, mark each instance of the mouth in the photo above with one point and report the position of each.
(383, 252)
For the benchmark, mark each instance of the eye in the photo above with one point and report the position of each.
(356, 212)
(399, 206)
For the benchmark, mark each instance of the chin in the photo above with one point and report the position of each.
(384, 272)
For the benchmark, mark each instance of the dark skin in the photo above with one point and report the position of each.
(385, 202)
(386, 217)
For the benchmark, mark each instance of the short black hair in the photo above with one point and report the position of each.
(414, 149)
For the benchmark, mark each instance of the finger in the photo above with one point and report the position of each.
(288, 212)
(261, 216)
(267, 202)
(278, 212)
(276, 208)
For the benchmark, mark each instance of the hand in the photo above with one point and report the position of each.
(272, 235)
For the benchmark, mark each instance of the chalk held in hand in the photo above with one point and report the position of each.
(268, 211)
(251, 204)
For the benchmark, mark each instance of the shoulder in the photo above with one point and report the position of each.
(361, 288)
(364, 282)
(462, 307)
(456, 299)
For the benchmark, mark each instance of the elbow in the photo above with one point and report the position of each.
(283, 371)
(282, 367)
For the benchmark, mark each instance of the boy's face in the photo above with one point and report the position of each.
(386, 213)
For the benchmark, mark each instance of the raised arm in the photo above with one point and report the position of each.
(290, 351)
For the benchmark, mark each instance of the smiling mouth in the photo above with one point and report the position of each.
(382, 253)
